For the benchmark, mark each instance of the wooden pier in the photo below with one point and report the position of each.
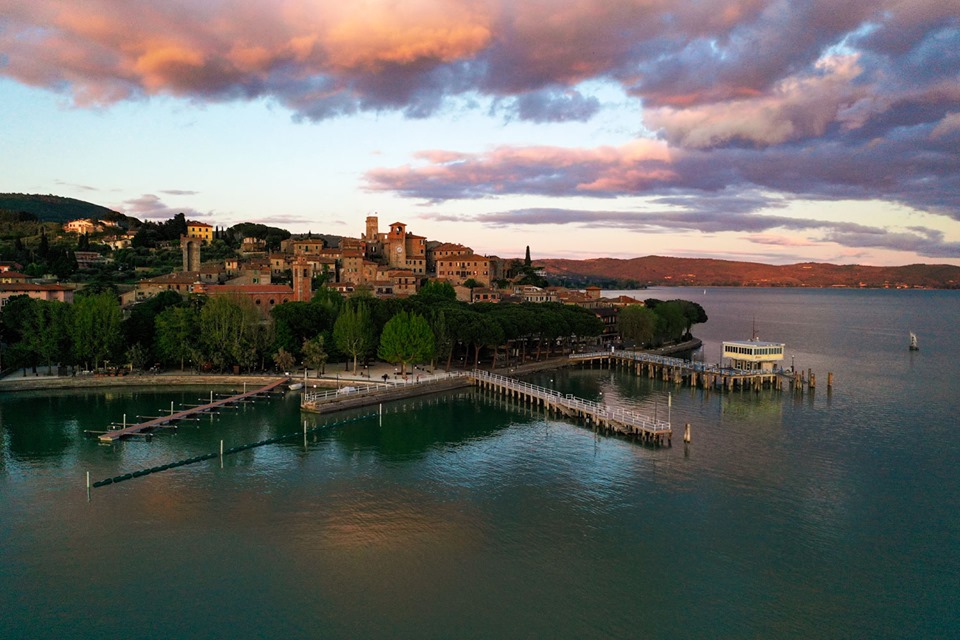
(603, 417)
(167, 421)
(694, 374)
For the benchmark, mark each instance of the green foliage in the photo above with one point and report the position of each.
(57, 209)
(284, 360)
(151, 234)
(637, 324)
(295, 322)
(406, 339)
(315, 353)
(273, 236)
(353, 331)
(96, 328)
(231, 332)
(437, 291)
(47, 330)
(177, 329)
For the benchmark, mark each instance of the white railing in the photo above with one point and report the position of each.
(569, 401)
(667, 361)
(371, 388)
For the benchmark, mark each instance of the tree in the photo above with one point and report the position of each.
(137, 356)
(436, 291)
(442, 337)
(283, 359)
(352, 331)
(527, 262)
(315, 354)
(176, 332)
(47, 331)
(230, 331)
(96, 328)
(637, 324)
(471, 283)
(671, 321)
(406, 339)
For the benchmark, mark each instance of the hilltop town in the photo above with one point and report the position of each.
(87, 292)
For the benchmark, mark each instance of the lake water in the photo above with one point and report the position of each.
(831, 515)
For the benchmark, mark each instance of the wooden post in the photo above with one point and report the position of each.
(813, 381)
(124, 421)
(829, 379)
(221, 449)
(171, 407)
(686, 433)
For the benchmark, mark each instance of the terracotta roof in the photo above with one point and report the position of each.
(194, 223)
(179, 277)
(248, 288)
(23, 286)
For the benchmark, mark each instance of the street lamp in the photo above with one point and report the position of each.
(793, 363)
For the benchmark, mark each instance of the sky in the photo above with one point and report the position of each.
(761, 130)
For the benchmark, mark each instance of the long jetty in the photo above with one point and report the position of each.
(688, 372)
(604, 417)
(167, 421)
(600, 416)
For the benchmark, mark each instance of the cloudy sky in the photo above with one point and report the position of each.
(774, 131)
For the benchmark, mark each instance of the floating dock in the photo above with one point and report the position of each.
(167, 421)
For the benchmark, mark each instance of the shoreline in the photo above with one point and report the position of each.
(339, 379)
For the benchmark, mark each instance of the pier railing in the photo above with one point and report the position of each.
(569, 401)
(666, 361)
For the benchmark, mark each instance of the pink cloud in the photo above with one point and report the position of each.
(797, 107)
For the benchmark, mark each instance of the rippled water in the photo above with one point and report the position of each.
(828, 515)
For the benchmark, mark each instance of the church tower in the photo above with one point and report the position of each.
(396, 245)
(302, 280)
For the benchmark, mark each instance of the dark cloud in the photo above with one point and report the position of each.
(553, 105)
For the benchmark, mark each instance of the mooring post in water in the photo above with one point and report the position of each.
(88, 481)
(171, 407)
(669, 406)
(381, 414)
(211, 396)
(221, 449)
(124, 421)
(829, 380)
(686, 433)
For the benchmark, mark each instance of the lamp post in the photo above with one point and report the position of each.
(793, 363)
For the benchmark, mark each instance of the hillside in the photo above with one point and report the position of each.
(59, 209)
(699, 272)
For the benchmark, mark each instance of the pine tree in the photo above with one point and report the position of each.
(526, 261)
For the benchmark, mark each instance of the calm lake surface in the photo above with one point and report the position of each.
(831, 515)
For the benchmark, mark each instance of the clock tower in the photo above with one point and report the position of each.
(396, 248)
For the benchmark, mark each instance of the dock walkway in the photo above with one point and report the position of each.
(612, 419)
(167, 421)
(681, 371)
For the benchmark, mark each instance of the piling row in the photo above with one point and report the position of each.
(697, 374)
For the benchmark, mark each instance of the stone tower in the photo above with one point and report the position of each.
(191, 253)
(302, 280)
(373, 229)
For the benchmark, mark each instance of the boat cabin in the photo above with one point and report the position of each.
(752, 355)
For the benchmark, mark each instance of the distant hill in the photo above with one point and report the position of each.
(59, 209)
(700, 272)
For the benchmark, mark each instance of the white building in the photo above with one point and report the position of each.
(752, 355)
